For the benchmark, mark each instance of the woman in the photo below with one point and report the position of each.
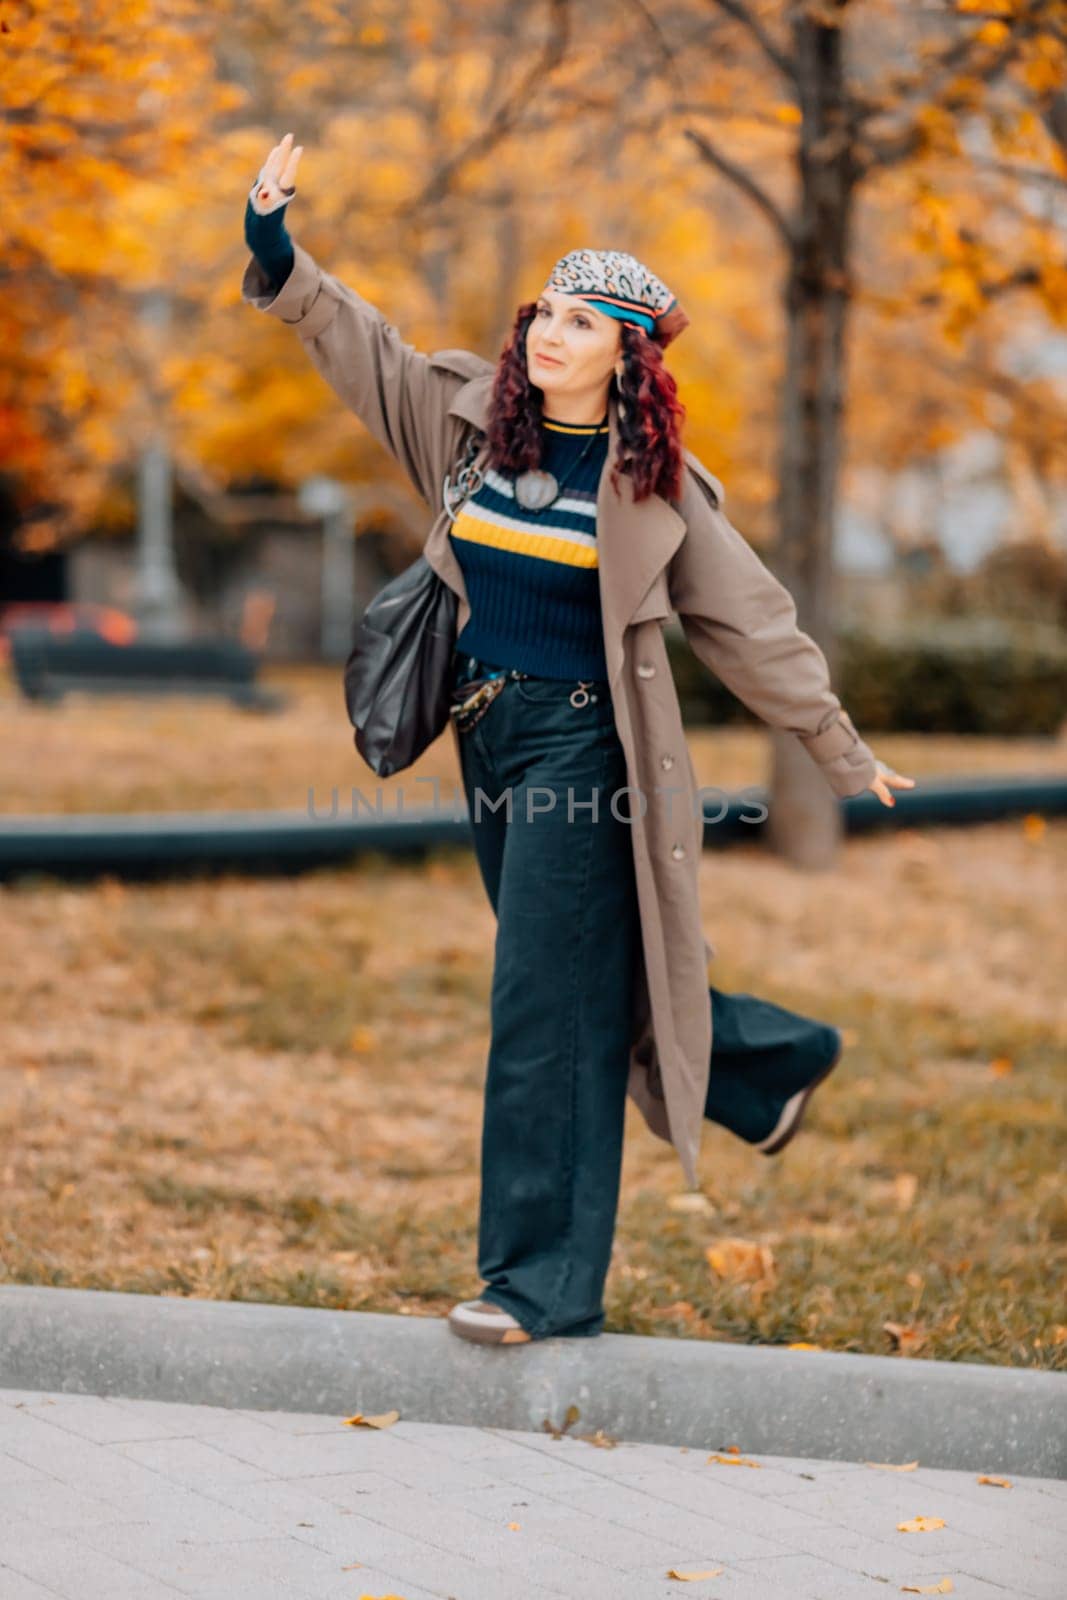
(575, 530)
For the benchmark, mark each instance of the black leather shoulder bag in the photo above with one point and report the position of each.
(397, 674)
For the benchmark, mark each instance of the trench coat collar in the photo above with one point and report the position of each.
(635, 539)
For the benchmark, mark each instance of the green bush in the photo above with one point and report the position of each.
(982, 675)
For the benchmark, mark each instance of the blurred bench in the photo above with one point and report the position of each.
(48, 665)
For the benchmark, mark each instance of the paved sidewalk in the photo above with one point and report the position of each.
(108, 1499)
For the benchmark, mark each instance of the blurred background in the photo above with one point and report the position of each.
(255, 1085)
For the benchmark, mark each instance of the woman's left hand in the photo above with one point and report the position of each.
(887, 779)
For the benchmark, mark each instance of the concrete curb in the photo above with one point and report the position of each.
(817, 1404)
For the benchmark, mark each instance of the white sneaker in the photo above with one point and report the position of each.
(486, 1323)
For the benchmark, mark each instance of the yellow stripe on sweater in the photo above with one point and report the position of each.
(545, 545)
(574, 427)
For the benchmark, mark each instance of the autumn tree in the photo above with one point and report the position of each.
(101, 102)
(940, 117)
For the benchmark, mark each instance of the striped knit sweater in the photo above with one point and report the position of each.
(531, 576)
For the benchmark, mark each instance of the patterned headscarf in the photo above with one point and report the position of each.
(621, 286)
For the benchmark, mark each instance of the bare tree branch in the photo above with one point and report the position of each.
(741, 13)
(507, 113)
(1056, 118)
(692, 42)
(1007, 169)
(697, 108)
(661, 42)
(951, 62)
(745, 182)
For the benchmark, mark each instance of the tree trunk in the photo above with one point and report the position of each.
(804, 822)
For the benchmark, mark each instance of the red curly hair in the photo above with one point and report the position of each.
(650, 413)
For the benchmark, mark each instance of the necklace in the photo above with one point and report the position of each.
(537, 489)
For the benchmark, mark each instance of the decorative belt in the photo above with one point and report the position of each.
(472, 699)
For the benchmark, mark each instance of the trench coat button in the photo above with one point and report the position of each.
(678, 852)
(645, 669)
(666, 762)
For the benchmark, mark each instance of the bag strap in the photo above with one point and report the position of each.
(465, 477)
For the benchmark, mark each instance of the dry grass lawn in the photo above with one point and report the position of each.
(126, 754)
(271, 1089)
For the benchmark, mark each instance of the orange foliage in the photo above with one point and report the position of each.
(129, 153)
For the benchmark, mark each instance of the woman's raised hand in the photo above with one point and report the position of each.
(276, 183)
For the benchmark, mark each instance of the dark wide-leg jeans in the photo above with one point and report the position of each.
(555, 855)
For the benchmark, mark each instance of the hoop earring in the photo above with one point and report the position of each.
(618, 389)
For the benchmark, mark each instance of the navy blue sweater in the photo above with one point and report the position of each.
(531, 576)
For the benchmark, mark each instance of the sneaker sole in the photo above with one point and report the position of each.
(788, 1124)
(482, 1328)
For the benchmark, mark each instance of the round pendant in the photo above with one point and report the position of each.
(535, 490)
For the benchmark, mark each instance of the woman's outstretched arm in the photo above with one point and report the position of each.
(400, 395)
(741, 622)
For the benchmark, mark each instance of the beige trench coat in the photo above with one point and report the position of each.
(655, 558)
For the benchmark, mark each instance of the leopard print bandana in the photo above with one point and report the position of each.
(619, 285)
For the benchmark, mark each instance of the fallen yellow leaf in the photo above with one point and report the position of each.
(514, 1526)
(741, 1260)
(677, 1308)
(732, 1460)
(905, 1188)
(1034, 826)
(892, 1466)
(906, 1340)
(691, 1577)
(997, 1483)
(569, 1420)
(1001, 1066)
(803, 1345)
(692, 1200)
(921, 1525)
(386, 1420)
(946, 1586)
